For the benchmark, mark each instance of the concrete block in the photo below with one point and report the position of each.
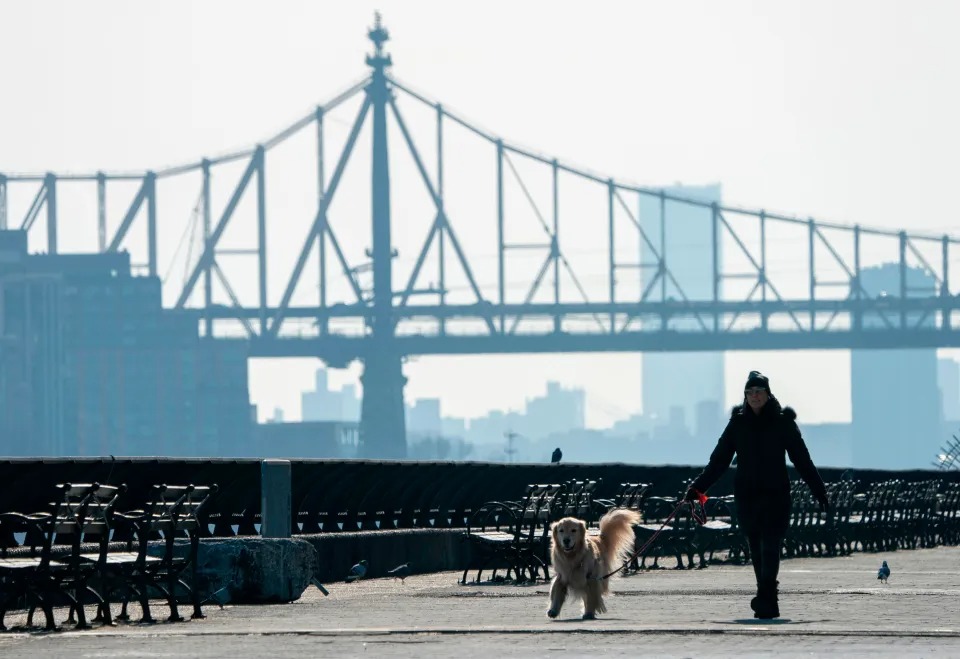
(254, 570)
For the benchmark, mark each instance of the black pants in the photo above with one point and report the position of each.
(763, 520)
(765, 555)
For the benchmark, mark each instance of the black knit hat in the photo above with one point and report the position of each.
(757, 379)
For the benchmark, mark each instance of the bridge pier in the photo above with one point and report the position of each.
(383, 433)
(383, 430)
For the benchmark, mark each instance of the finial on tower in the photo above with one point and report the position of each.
(378, 35)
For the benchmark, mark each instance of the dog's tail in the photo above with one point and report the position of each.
(616, 534)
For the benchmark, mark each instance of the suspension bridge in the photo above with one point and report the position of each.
(505, 250)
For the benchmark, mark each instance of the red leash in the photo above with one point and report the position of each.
(701, 520)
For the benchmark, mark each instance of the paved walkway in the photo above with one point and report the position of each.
(830, 606)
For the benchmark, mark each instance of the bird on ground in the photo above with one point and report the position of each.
(883, 573)
(557, 455)
(400, 572)
(358, 571)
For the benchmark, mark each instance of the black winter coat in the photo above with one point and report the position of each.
(761, 485)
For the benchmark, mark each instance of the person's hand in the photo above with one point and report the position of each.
(691, 495)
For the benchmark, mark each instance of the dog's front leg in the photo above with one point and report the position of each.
(558, 593)
(593, 600)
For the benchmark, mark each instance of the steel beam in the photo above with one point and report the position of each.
(322, 324)
(51, 186)
(262, 235)
(150, 183)
(128, 218)
(208, 268)
(501, 265)
(101, 212)
(555, 243)
(441, 246)
(945, 320)
(3, 202)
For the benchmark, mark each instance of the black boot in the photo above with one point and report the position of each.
(755, 601)
(765, 605)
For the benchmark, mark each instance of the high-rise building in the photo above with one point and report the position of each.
(95, 366)
(895, 402)
(672, 379)
(33, 409)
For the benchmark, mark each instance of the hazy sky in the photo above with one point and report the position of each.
(844, 111)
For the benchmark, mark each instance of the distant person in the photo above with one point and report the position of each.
(557, 455)
(761, 432)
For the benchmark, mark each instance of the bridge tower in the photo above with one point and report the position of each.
(382, 416)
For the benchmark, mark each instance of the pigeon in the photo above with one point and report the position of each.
(358, 571)
(883, 573)
(400, 572)
(557, 455)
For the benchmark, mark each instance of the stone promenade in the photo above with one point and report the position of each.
(830, 607)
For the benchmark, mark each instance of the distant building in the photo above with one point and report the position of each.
(830, 444)
(709, 422)
(423, 417)
(307, 439)
(948, 379)
(32, 397)
(324, 404)
(670, 378)
(895, 401)
(560, 410)
(97, 367)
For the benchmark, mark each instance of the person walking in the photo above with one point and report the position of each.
(762, 433)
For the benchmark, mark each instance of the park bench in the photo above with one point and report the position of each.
(46, 556)
(171, 513)
(512, 534)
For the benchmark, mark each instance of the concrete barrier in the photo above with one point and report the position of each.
(426, 550)
(253, 570)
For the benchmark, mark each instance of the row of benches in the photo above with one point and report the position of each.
(889, 515)
(84, 551)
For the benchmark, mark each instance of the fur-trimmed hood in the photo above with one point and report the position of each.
(787, 412)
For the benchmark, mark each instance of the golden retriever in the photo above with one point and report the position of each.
(580, 561)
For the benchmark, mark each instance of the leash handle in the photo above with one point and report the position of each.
(702, 500)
